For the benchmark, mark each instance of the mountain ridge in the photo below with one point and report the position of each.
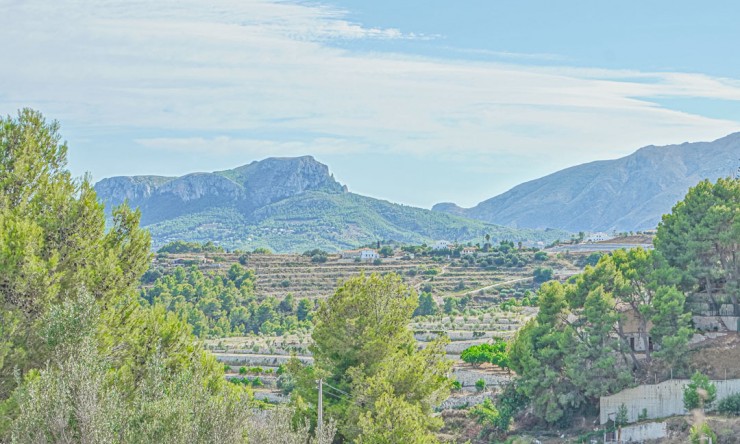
(630, 193)
(288, 205)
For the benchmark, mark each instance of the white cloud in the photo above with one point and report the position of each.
(258, 66)
(254, 148)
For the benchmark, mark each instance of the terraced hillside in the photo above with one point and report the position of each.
(281, 274)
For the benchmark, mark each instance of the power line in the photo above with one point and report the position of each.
(337, 389)
(334, 396)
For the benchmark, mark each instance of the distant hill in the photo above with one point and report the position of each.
(627, 194)
(287, 205)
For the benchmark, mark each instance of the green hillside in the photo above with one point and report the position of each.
(331, 222)
(287, 205)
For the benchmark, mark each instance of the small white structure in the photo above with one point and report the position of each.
(350, 254)
(469, 250)
(363, 255)
(598, 237)
(442, 245)
(369, 255)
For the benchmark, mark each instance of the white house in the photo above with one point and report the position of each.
(369, 255)
(363, 255)
(598, 237)
(442, 245)
(468, 250)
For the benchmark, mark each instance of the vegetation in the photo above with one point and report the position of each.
(80, 359)
(701, 237)
(700, 392)
(496, 418)
(220, 306)
(577, 350)
(701, 433)
(542, 274)
(495, 353)
(384, 389)
(317, 219)
(190, 247)
(730, 406)
(427, 305)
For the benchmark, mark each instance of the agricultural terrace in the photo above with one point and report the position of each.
(473, 299)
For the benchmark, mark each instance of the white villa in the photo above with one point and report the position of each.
(442, 245)
(598, 237)
(364, 254)
(369, 255)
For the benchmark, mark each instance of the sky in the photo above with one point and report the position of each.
(414, 101)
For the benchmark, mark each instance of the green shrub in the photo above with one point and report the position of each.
(480, 385)
(621, 418)
(700, 392)
(643, 415)
(700, 432)
(730, 406)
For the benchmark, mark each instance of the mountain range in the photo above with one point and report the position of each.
(626, 194)
(287, 205)
(295, 204)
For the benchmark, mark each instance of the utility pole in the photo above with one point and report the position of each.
(320, 425)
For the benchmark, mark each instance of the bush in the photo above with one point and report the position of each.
(542, 274)
(700, 392)
(730, 406)
(480, 385)
(621, 418)
(643, 415)
(485, 413)
(700, 432)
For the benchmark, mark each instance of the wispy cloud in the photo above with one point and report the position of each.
(258, 66)
(254, 148)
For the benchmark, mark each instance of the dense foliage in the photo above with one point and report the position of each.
(218, 305)
(700, 238)
(699, 393)
(729, 405)
(190, 247)
(496, 417)
(384, 388)
(495, 353)
(608, 326)
(80, 359)
(316, 219)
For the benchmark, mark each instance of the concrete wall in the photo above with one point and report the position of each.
(639, 432)
(660, 400)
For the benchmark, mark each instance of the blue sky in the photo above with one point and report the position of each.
(416, 102)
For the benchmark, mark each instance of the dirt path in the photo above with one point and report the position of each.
(498, 284)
